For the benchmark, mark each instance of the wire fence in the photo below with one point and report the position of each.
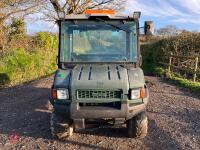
(186, 64)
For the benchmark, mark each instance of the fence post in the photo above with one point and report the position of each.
(195, 68)
(170, 64)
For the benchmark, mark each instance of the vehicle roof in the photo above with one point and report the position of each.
(86, 17)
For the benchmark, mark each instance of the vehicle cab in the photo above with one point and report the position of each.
(99, 75)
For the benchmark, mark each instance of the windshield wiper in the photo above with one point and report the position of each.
(115, 26)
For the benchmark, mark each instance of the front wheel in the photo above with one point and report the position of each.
(138, 126)
(61, 127)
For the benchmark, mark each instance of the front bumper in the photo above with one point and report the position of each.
(127, 111)
(79, 114)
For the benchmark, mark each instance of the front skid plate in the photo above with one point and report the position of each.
(94, 124)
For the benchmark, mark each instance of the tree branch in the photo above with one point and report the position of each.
(17, 11)
(99, 4)
(56, 6)
(66, 3)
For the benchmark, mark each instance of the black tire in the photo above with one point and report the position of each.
(49, 106)
(138, 126)
(61, 127)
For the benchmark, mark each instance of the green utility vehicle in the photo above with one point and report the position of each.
(99, 82)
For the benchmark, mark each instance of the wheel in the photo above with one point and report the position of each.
(49, 106)
(61, 127)
(138, 126)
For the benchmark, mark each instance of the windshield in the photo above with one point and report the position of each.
(96, 41)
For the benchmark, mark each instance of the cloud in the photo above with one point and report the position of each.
(156, 8)
(179, 11)
(182, 13)
(38, 26)
(192, 6)
(35, 24)
(187, 20)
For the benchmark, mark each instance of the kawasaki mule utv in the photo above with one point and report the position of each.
(99, 80)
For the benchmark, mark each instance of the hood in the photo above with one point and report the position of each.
(136, 78)
(93, 77)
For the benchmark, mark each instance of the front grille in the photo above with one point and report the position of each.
(98, 94)
(116, 105)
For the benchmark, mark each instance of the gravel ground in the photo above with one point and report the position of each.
(173, 112)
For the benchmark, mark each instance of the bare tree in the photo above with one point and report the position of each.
(168, 31)
(10, 8)
(79, 6)
(13, 9)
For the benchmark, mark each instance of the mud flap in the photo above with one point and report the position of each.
(79, 124)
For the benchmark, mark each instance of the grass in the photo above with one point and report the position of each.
(21, 66)
(37, 60)
(152, 54)
(192, 86)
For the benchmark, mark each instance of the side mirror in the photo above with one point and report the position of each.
(149, 28)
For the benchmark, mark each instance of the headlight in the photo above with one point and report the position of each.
(62, 94)
(137, 93)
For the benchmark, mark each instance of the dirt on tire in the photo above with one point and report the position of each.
(173, 115)
(138, 126)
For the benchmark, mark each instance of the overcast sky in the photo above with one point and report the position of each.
(185, 14)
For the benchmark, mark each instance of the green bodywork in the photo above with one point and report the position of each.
(104, 66)
(99, 78)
